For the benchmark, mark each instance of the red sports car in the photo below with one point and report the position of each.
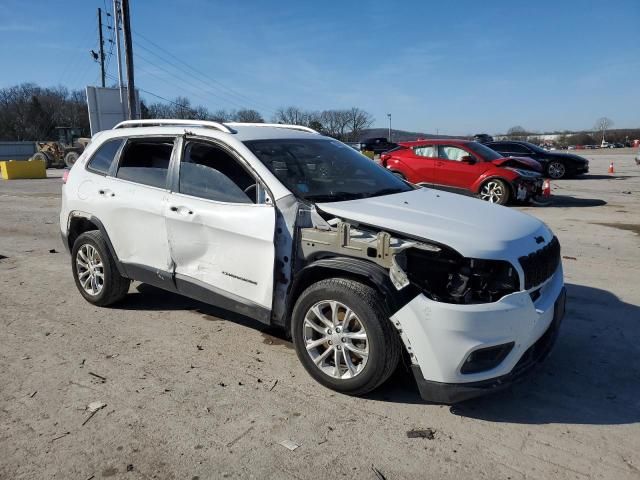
(466, 167)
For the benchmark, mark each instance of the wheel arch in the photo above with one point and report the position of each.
(355, 269)
(79, 223)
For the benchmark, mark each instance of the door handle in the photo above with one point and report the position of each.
(173, 208)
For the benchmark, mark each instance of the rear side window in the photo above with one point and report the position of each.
(103, 158)
(146, 162)
(425, 151)
(510, 148)
(209, 172)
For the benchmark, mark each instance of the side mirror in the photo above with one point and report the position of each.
(468, 159)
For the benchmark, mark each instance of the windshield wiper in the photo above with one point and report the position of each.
(387, 191)
(334, 197)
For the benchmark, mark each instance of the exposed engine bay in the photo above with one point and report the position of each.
(441, 273)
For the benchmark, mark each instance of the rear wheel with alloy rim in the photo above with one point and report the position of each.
(495, 191)
(95, 272)
(343, 336)
(556, 169)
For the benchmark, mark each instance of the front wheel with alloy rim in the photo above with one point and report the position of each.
(95, 272)
(495, 191)
(556, 170)
(343, 336)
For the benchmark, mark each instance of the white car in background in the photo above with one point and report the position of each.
(297, 230)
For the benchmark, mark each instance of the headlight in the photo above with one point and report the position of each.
(450, 278)
(525, 173)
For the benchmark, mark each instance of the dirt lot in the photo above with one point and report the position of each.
(190, 395)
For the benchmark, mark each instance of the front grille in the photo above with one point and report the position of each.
(540, 265)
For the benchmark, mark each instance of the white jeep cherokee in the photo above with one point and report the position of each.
(297, 230)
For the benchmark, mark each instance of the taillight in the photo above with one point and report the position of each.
(65, 175)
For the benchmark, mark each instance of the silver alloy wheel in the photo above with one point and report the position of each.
(89, 269)
(556, 170)
(492, 191)
(335, 339)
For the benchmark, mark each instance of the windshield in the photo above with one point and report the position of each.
(485, 152)
(321, 170)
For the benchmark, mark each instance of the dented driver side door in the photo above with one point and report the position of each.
(220, 226)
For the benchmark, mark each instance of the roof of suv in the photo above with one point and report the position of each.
(239, 131)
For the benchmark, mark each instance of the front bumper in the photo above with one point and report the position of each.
(527, 188)
(582, 168)
(440, 337)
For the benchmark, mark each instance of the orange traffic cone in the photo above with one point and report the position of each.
(546, 188)
(611, 169)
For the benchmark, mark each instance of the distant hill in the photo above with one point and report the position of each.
(400, 135)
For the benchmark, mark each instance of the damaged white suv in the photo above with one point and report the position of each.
(297, 230)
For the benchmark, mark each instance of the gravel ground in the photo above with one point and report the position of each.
(192, 392)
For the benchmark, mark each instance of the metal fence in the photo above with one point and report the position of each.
(17, 150)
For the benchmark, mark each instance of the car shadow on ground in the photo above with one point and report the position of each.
(568, 201)
(610, 176)
(591, 377)
(150, 298)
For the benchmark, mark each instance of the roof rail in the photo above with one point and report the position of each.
(174, 123)
(275, 125)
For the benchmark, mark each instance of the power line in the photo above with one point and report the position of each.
(198, 88)
(194, 86)
(73, 60)
(207, 86)
(205, 76)
(154, 94)
(109, 24)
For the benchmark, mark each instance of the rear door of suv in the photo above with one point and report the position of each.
(220, 227)
(135, 196)
(421, 160)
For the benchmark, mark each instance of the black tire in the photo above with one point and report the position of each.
(399, 175)
(383, 342)
(115, 286)
(557, 169)
(70, 158)
(44, 157)
(488, 186)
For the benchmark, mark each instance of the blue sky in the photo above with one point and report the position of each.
(458, 67)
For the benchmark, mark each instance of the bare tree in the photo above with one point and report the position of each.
(30, 112)
(602, 125)
(358, 120)
(248, 116)
(221, 116)
(291, 116)
(335, 123)
(517, 133)
(180, 108)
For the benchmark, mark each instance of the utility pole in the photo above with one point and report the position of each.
(128, 55)
(116, 26)
(389, 115)
(101, 45)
